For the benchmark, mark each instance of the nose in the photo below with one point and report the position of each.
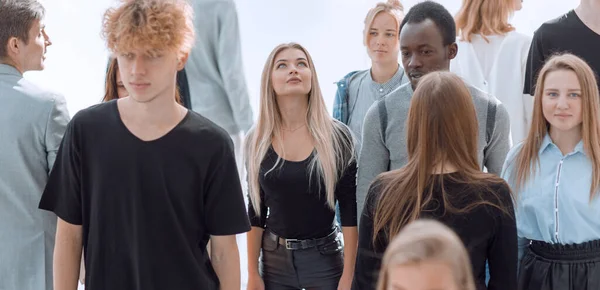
(563, 103)
(47, 40)
(138, 66)
(414, 62)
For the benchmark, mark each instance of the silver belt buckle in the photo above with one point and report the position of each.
(287, 243)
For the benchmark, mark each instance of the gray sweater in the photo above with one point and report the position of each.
(376, 154)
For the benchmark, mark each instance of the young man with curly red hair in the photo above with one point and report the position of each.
(141, 183)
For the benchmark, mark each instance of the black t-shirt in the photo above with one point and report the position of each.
(296, 204)
(563, 34)
(487, 232)
(147, 208)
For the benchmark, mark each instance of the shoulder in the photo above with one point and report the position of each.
(513, 153)
(402, 95)
(518, 39)
(556, 25)
(349, 77)
(207, 130)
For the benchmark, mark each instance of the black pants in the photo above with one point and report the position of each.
(560, 267)
(314, 268)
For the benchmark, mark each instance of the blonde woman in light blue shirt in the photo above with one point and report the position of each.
(555, 174)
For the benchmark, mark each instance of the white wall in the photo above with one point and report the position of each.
(330, 29)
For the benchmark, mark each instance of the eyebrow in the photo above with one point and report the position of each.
(285, 60)
(569, 90)
(385, 30)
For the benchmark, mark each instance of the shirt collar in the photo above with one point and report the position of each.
(547, 142)
(6, 69)
(387, 87)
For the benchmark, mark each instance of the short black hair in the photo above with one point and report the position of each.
(438, 14)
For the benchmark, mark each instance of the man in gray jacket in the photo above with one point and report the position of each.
(427, 43)
(215, 73)
(32, 123)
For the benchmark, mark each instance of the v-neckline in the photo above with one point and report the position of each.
(136, 137)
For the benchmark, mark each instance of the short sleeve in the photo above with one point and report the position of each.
(224, 209)
(62, 194)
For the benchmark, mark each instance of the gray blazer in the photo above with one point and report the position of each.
(32, 123)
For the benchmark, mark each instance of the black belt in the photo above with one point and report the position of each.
(296, 244)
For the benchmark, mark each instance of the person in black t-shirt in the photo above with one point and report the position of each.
(443, 181)
(300, 162)
(141, 183)
(577, 32)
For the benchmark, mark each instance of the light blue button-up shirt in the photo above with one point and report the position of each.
(554, 205)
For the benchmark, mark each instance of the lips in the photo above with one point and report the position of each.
(294, 80)
(415, 75)
(139, 85)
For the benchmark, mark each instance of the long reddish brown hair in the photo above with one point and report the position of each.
(111, 87)
(441, 129)
(527, 160)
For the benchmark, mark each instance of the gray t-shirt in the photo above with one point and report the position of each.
(363, 91)
(377, 154)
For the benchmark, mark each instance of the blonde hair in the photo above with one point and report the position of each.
(527, 161)
(334, 146)
(393, 7)
(484, 17)
(154, 25)
(428, 240)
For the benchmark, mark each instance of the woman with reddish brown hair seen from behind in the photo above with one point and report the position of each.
(443, 181)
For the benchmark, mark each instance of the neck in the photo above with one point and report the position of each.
(161, 110)
(383, 72)
(588, 11)
(293, 111)
(566, 140)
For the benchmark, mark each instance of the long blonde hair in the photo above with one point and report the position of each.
(394, 7)
(485, 17)
(434, 130)
(334, 146)
(428, 240)
(527, 161)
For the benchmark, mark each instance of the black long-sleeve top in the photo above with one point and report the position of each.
(296, 203)
(487, 232)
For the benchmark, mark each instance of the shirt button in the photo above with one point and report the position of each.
(381, 90)
(341, 85)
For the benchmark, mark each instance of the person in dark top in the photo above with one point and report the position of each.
(443, 181)
(577, 32)
(141, 183)
(300, 163)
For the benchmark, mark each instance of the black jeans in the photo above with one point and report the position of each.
(313, 268)
(560, 267)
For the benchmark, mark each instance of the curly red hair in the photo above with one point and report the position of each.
(151, 25)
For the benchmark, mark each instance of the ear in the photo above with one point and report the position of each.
(452, 50)
(13, 46)
(182, 61)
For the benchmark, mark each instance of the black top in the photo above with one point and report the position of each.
(147, 207)
(487, 232)
(297, 204)
(563, 34)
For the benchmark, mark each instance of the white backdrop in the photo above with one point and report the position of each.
(330, 29)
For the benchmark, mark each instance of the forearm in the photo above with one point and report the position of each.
(67, 256)
(225, 260)
(254, 243)
(350, 247)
